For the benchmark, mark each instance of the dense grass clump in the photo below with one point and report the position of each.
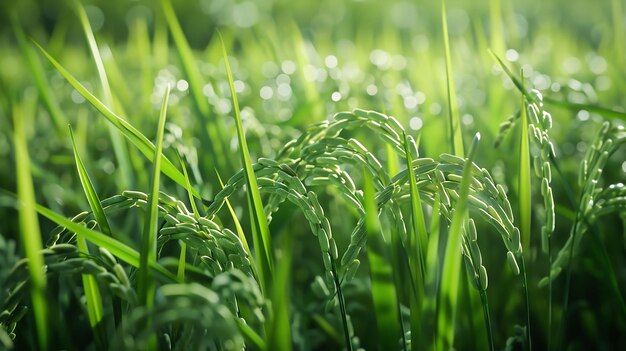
(291, 177)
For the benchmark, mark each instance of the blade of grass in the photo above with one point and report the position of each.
(136, 137)
(251, 335)
(497, 44)
(432, 274)
(279, 333)
(238, 228)
(448, 295)
(90, 285)
(525, 208)
(29, 226)
(418, 241)
(524, 180)
(183, 246)
(148, 255)
(260, 228)
(383, 290)
(572, 106)
(454, 122)
(119, 147)
(38, 74)
(215, 131)
(607, 112)
(117, 248)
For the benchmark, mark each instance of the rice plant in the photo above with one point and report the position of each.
(288, 178)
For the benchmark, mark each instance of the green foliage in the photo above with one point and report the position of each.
(337, 227)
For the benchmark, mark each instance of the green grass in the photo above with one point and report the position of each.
(336, 226)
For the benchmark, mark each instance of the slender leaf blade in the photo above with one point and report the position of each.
(448, 295)
(525, 204)
(90, 285)
(136, 137)
(418, 241)
(117, 248)
(381, 273)
(29, 226)
(454, 122)
(148, 255)
(119, 147)
(260, 229)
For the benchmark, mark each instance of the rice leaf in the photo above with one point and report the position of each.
(214, 129)
(239, 229)
(115, 247)
(183, 246)
(136, 137)
(279, 334)
(448, 295)
(573, 106)
(418, 242)
(383, 289)
(90, 285)
(454, 121)
(38, 74)
(524, 180)
(119, 147)
(29, 226)
(147, 285)
(260, 229)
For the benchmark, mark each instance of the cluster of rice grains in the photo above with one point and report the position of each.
(209, 299)
(596, 200)
(323, 157)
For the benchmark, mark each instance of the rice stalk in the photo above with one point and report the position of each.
(92, 292)
(452, 257)
(119, 146)
(260, 228)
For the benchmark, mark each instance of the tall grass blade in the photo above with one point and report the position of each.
(90, 285)
(573, 106)
(119, 147)
(183, 246)
(525, 205)
(136, 137)
(148, 255)
(279, 336)
(29, 226)
(448, 295)
(454, 122)
(260, 229)
(239, 229)
(496, 42)
(38, 74)
(383, 289)
(117, 248)
(214, 130)
(192, 72)
(418, 241)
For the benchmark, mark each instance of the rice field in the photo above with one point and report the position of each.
(332, 175)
